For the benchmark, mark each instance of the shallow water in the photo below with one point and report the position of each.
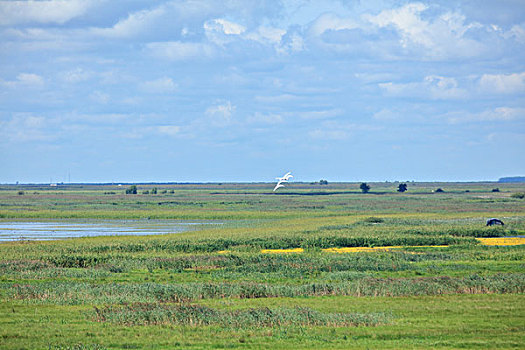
(51, 230)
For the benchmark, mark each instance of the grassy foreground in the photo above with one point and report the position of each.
(267, 276)
(452, 321)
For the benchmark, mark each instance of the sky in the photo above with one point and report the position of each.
(246, 90)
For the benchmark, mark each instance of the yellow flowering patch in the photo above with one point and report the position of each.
(502, 241)
(224, 251)
(374, 249)
(358, 249)
(484, 241)
(278, 251)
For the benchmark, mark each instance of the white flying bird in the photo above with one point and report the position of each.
(282, 180)
(279, 185)
(286, 177)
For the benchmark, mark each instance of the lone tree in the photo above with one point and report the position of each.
(131, 190)
(364, 187)
(402, 188)
(323, 182)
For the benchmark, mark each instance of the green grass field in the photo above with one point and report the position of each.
(212, 287)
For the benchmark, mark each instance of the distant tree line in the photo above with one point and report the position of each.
(512, 179)
(133, 190)
(365, 188)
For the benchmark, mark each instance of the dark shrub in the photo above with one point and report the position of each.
(364, 187)
(131, 190)
(402, 188)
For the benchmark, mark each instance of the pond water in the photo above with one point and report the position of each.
(50, 230)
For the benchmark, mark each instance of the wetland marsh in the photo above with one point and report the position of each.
(314, 267)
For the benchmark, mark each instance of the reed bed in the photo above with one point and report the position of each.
(199, 315)
(74, 293)
(254, 266)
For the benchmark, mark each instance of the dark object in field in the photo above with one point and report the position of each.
(374, 220)
(440, 190)
(364, 187)
(492, 222)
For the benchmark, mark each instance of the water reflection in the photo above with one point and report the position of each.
(49, 230)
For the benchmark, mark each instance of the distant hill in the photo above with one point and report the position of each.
(512, 179)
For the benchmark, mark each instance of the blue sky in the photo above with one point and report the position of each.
(204, 90)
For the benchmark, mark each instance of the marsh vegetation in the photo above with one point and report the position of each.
(273, 274)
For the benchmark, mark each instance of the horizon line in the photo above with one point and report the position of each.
(244, 182)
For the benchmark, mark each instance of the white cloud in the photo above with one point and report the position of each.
(179, 51)
(99, 97)
(260, 118)
(23, 127)
(386, 114)
(322, 114)
(30, 79)
(411, 113)
(442, 37)
(47, 11)
(277, 99)
(220, 31)
(329, 134)
(330, 21)
(432, 87)
(517, 32)
(503, 83)
(170, 130)
(222, 25)
(375, 77)
(291, 42)
(103, 118)
(31, 34)
(134, 24)
(113, 77)
(161, 85)
(266, 35)
(76, 75)
(500, 114)
(233, 77)
(25, 80)
(132, 101)
(406, 19)
(31, 121)
(221, 114)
